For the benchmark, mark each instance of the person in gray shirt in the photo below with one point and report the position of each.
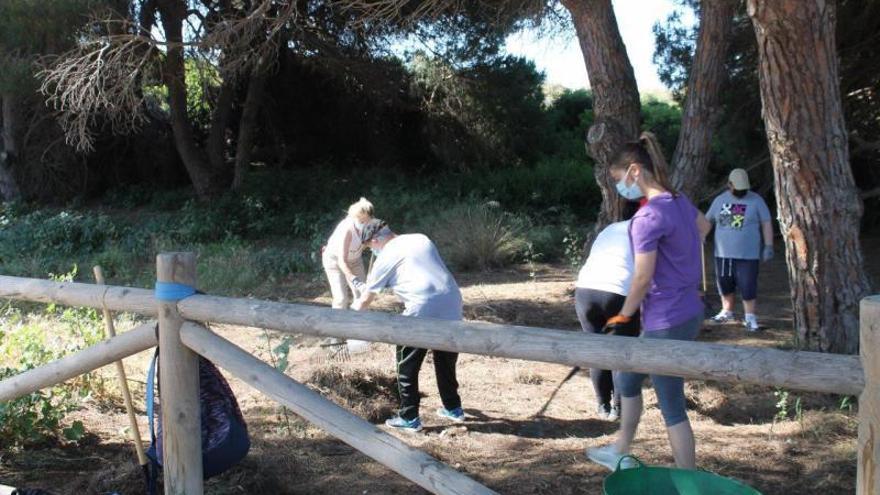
(411, 266)
(742, 221)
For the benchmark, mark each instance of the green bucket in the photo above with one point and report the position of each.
(652, 480)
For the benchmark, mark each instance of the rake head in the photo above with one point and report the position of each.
(341, 350)
(336, 350)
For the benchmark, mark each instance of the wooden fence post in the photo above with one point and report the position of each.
(179, 384)
(868, 477)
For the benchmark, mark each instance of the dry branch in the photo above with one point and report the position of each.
(101, 77)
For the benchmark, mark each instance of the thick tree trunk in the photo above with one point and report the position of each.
(701, 109)
(205, 181)
(9, 190)
(248, 125)
(216, 143)
(616, 103)
(818, 203)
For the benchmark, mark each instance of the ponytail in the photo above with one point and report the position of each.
(660, 169)
(647, 153)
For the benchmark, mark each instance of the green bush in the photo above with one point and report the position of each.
(550, 187)
(36, 418)
(478, 236)
(664, 120)
(25, 345)
(546, 242)
(226, 269)
(235, 267)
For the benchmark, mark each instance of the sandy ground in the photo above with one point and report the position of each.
(502, 444)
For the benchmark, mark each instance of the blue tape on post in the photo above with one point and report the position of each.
(169, 291)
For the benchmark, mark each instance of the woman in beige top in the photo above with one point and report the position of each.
(342, 255)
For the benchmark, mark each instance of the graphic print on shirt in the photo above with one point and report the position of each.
(732, 215)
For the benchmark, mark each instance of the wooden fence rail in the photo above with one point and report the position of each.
(812, 371)
(789, 369)
(798, 370)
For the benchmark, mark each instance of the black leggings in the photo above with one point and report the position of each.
(409, 363)
(594, 308)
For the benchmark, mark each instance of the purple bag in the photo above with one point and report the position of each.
(225, 439)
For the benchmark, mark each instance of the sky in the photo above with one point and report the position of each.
(561, 60)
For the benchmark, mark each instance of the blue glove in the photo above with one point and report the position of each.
(767, 254)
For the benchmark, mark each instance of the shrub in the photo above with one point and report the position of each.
(227, 269)
(26, 344)
(36, 418)
(478, 236)
(235, 267)
(551, 184)
(546, 242)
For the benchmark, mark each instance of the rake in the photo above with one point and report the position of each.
(340, 350)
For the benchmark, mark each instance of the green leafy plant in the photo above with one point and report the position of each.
(36, 418)
(574, 246)
(278, 355)
(782, 405)
(26, 344)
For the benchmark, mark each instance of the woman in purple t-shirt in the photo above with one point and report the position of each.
(665, 236)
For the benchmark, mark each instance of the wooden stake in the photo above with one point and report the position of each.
(703, 262)
(123, 382)
(178, 385)
(868, 468)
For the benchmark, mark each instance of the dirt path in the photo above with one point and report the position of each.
(738, 428)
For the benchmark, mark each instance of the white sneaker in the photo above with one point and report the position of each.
(608, 457)
(751, 324)
(614, 413)
(722, 318)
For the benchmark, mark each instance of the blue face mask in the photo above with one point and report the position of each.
(376, 251)
(632, 192)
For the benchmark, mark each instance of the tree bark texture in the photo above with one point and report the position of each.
(616, 105)
(248, 125)
(216, 142)
(818, 202)
(9, 190)
(701, 109)
(205, 181)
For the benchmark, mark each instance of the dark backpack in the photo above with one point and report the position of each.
(225, 439)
